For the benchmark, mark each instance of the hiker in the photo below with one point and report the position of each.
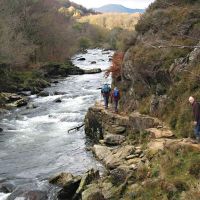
(196, 112)
(105, 91)
(115, 97)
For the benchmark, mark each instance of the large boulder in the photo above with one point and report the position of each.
(112, 139)
(70, 188)
(51, 70)
(61, 179)
(69, 184)
(11, 100)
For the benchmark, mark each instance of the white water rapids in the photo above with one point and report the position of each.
(35, 143)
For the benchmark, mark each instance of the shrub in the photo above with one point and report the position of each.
(195, 169)
(115, 68)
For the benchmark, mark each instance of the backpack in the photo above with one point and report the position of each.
(116, 93)
(105, 89)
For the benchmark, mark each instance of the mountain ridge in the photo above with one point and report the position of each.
(117, 8)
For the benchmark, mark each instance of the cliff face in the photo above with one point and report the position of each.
(161, 68)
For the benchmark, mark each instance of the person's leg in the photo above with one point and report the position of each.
(116, 105)
(105, 101)
(197, 132)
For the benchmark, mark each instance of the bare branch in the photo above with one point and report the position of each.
(169, 46)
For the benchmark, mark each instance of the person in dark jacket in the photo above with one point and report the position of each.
(196, 112)
(115, 97)
(105, 92)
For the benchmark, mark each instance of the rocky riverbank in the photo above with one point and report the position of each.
(136, 150)
(19, 86)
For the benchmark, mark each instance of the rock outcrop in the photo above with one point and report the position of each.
(100, 122)
(131, 147)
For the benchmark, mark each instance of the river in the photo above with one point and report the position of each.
(35, 143)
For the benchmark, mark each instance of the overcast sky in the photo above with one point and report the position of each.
(127, 3)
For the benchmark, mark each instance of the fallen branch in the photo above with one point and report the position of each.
(76, 128)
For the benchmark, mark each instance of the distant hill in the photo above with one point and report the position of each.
(72, 9)
(117, 9)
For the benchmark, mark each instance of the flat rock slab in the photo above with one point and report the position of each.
(160, 133)
(105, 155)
(155, 146)
(186, 144)
(112, 158)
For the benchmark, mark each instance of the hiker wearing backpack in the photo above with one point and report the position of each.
(105, 91)
(196, 112)
(115, 97)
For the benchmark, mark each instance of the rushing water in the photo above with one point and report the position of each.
(35, 143)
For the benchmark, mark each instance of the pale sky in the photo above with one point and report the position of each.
(127, 3)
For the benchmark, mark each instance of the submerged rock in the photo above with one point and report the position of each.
(43, 94)
(81, 59)
(4, 112)
(59, 93)
(28, 195)
(6, 187)
(58, 100)
(1, 130)
(93, 62)
(31, 106)
(93, 71)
